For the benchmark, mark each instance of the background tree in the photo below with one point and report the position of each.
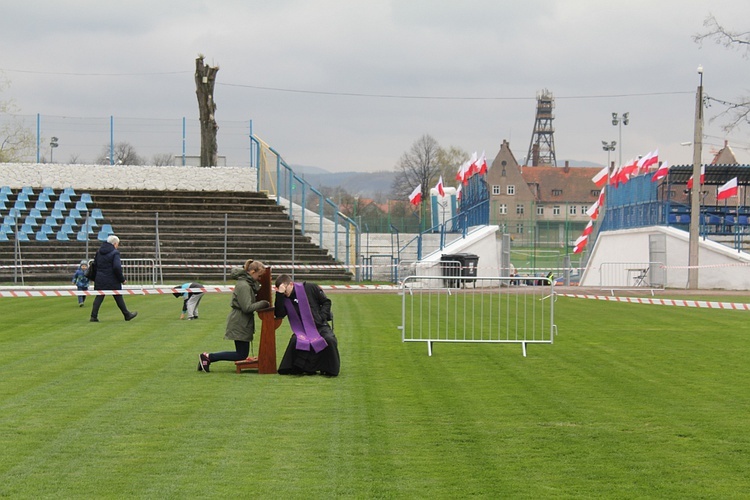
(419, 165)
(162, 160)
(17, 143)
(205, 79)
(450, 160)
(124, 154)
(738, 112)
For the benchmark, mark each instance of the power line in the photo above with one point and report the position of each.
(57, 73)
(443, 98)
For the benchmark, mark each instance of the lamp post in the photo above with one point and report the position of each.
(609, 147)
(695, 201)
(619, 121)
(52, 145)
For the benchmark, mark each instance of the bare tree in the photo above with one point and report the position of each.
(419, 165)
(738, 112)
(162, 160)
(16, 141)
(205, 79)
(74, 159)
(450, 161)
(124, 154)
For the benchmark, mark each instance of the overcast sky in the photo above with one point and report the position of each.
(351, 84)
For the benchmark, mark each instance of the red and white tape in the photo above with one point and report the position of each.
(735, 306)
(69, 292)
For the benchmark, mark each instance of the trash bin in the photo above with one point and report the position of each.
(458, 264)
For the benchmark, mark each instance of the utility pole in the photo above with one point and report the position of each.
(695, 200)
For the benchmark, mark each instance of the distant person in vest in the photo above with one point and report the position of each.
(313, 347)
(108, 276)
(241, 320)
(191, 300)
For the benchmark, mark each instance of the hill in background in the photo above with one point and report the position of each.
(370, 184)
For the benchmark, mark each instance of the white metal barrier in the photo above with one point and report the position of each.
(494, 310)
(139, 271)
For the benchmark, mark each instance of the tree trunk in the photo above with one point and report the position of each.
(205, 79)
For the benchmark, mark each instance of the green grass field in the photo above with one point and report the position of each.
(631, 401)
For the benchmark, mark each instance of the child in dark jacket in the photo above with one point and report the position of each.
(81, 281)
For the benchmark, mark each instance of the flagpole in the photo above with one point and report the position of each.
(695, 205)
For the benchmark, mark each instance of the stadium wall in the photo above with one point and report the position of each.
(18, 175)
(720, 266)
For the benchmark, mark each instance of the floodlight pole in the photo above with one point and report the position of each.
(695, 201)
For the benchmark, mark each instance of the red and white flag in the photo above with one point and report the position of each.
(482, 164)
(415, 198)
(703, 178)
(472, 169)
(458, 191)
(727, 190)
(462, 175)
(593, 210)
(439, 187)
(661, 172)
(627, 171)
(580, 243)
(601, 177)
(647, 161)
(589, 228)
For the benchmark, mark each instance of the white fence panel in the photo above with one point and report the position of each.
(492, 310)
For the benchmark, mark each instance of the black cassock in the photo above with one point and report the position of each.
(297, 362)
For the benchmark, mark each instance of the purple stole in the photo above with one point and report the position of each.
(304, 329)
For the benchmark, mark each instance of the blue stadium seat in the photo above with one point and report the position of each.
(4, 237)
(40, 205)
(97, 214)
(86, 198)
(75, 213)
(51, 221)
(28, 190)
(35, 212)
(104, 232)
(46, 229)
(66, 228)
(20, 205)
(14, 212)
(62, 236)
(22, 236)
(69, 191)
(6, 229)
(90, 222)
(41, 236)
(47, 191)
(56, 213)
(44, 197)
(82, 236)
(70, 221)
(26, 229)
(729, 220)
(59, 205)
(742, 220)
(22, 197)
(3, 204)
(82, 206)
(9, 219)
(30, 221)
(5, 189)
(3, 196)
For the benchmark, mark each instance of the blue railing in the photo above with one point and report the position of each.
(307, 206)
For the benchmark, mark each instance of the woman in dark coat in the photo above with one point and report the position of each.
(107, 275)
(313, 347)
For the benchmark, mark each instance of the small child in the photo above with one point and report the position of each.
(191, 300)
(81, 281)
